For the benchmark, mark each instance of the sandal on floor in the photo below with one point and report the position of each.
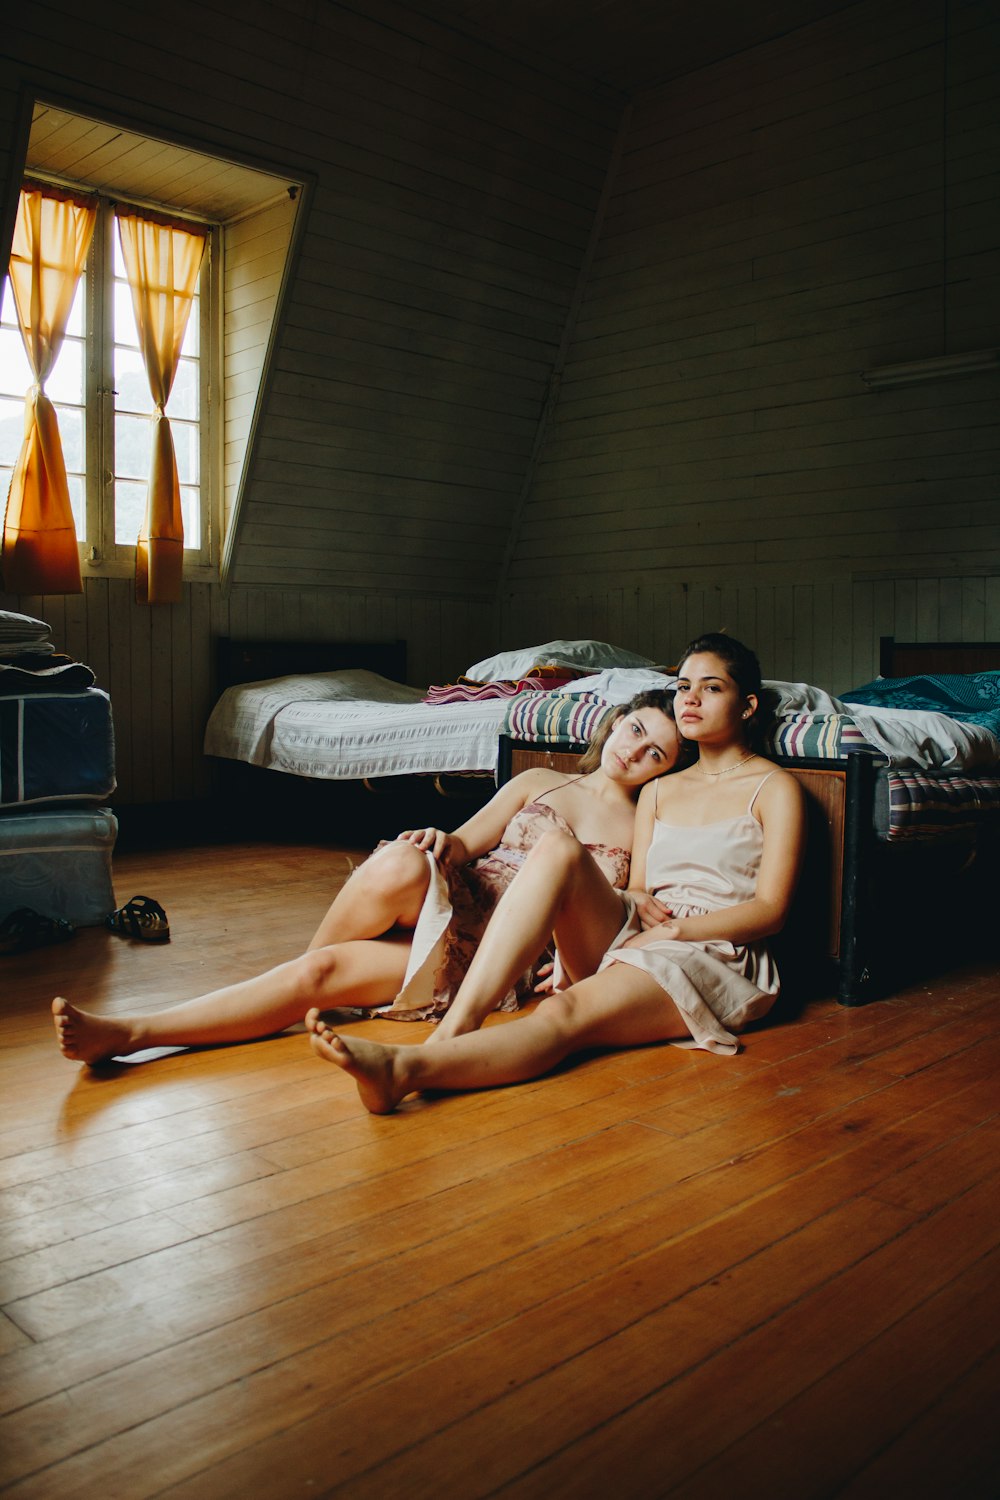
(141, 918)
(24, 929)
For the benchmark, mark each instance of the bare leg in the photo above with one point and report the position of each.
(620, 1007)
(361, 974)
(560, 891)
(386, 891)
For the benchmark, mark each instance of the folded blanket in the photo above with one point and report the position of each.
(467, 690)
(32, 672)
(20, 633)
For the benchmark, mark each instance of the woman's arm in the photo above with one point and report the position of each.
(485, 829)
(782, 817)
(651, 911)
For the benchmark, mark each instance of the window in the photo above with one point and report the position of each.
(101, 393)
(257, 217)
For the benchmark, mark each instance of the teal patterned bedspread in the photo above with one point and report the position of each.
(971, 697)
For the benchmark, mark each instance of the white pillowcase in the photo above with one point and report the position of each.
(802, 698)
(619, 684)
(508, 666)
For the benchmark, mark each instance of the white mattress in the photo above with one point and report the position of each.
(342, 726)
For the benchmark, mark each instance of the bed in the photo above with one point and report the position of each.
(340, 713)
(889, 839)
(354, 719)
(313, 715)
(343, 711)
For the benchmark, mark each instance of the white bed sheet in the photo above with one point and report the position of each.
(342, 726)
(387, 740)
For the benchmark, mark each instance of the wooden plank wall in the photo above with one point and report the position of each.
(454, 191)
(158, 664)
(254, 256)
(779, 223)
(825, 633)
(443, 243)
(805, 211)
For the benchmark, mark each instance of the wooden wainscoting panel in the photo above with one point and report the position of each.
(821, 881)
(553, 760)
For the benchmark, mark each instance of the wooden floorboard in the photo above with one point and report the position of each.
(655, 1273)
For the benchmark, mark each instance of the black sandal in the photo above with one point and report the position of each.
(25, 928)
(141, 918)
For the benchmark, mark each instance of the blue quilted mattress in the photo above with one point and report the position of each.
(56, 747)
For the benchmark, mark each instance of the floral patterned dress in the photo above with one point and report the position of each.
(458, 905)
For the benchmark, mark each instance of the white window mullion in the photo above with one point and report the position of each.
(212, 458)
(96, 547)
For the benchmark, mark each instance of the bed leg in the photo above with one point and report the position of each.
(505, 759)
(854, 973)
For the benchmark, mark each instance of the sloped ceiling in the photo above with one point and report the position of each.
(629, 45)
(71, 147)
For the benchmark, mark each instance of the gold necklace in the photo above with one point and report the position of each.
(726, 770)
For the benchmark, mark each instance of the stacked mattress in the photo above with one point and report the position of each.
(57, 766)
(55, 747)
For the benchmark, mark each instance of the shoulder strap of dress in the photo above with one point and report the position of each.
(542, 795)
(763, 781)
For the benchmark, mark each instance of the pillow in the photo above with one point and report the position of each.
(511, 665)
(619, 684)
(801, 697)
(22, 627)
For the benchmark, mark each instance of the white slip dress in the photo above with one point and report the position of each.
(717, 986)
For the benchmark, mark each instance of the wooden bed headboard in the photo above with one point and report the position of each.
(256, 661)
(911, 658)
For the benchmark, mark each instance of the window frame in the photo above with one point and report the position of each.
(100, 554)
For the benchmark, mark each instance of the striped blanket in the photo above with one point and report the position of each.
(575, 718)
(468, 690)
(927, 807)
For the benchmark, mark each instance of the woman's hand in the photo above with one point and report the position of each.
(444, 847)
(650, 911)
(545, 975)
(671, 931)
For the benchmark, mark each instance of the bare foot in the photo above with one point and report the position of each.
(88, 1038)
(369, 1063)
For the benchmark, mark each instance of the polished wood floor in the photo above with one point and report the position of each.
(657, 1273)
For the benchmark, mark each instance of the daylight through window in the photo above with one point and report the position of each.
(101, 393)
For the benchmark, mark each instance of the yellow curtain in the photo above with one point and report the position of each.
(51, 239)
(163, 262)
